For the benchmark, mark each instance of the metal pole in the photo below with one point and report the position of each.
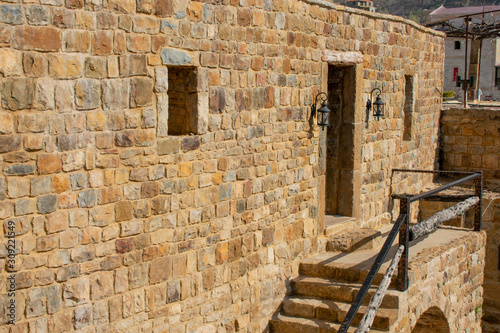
(466, 82)
(478, 192)
(404, 239)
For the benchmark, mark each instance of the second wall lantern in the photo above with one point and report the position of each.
(323, 117)
(378, 105)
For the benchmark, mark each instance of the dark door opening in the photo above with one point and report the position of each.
(339, 186)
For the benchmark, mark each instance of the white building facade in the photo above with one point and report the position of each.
(488, 87)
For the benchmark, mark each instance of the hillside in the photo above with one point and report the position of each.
(414, 9)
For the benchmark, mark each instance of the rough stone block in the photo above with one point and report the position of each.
(34, 64)
(190, 143)
(65, 66)
(76, 292)
(25, 207)
(6, 122)
(141, 92)
(164, 8)
(49, 163)
(173, 291)
(124, 211)
(44, 94)
(47, 203)
(38, 15)
(17, 94)
(160, 270)
(115, 94)
(37, 38)
(87, 199)
(96, 68)
(162, 107)
(168, 146)
(106, 20)
(63, 18)
(101, 285)
(125, 138)
(64, 96)
(20, 169)
(9, 143)
(40, 185)
(122, 6)
(132, 65)
(96, 121)
(68, 239)
(47, 243)
(32, 122)
(36, 302)
(54, 298)
(175, 57)
(76, 41)
(11, 14)
(56, 222)
(102, 42)
(87, 94)
(10, 62)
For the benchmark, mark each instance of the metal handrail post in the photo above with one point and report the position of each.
(404, 239)
(478, 191)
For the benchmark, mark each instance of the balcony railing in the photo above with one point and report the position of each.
(408, 233)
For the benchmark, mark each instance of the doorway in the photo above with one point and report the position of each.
(342, 149)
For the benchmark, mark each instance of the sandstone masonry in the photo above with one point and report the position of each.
(125, 223)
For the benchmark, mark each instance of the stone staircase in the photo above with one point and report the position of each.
(329, 282)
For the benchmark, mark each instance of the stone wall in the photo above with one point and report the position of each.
(441, 284)
(470, 141)
(122, 225)
(491, 218)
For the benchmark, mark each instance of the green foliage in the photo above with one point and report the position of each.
(479, 313)
(448, 94)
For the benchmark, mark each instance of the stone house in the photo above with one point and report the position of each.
(159, 165)
(488, 73)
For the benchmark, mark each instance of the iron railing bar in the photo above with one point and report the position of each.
(439, 197)
(346, 323)
(435, 171)
(444, 187)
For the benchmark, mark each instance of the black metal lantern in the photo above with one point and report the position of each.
(323, 117)
(378, 105)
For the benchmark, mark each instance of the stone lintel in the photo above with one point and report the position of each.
(342, 58)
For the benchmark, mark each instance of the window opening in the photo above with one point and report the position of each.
(497, 76)
(409, 104)
(182, 100)
(457, 45)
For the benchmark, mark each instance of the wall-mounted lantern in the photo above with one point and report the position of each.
(323, 116)
(378, 105)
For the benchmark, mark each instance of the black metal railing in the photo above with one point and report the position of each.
(402, 227)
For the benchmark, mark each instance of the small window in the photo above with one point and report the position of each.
(497, 76)
(409, 105)
(457, 45)
(499, 257)
(182, 100)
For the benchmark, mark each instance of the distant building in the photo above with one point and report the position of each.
(489, 70)
(362, 4)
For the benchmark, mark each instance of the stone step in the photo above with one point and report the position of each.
(349, 266)
(339, 271)
(356, 240)
(285, 324)
(335, 312)
(336, 224)
(340, 291)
